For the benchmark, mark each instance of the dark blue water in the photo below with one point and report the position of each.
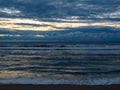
(61, 63)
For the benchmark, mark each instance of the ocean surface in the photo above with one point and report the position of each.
(59, 63)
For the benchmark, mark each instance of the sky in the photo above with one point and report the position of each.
(60, 20)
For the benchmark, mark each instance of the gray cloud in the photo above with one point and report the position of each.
(85, 9)
(62, 10)
(11, 11)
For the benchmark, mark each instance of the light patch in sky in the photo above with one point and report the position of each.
(10, 35)
(39, 36)
(39, 25)
(114, 14)
(10, 11)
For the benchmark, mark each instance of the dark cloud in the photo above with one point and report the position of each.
(93, 10)
(78, 34)
(85, 9)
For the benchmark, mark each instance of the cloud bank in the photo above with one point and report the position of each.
(60, 20)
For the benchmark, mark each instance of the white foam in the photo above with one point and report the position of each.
(38, 81)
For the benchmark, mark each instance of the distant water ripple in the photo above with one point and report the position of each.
(73, 64)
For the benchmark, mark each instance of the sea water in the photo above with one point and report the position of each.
(59, 63)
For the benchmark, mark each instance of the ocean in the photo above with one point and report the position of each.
(59, 63)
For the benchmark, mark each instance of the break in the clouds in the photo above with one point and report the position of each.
(40, 25)
(59, 20)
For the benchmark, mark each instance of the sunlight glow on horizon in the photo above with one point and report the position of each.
(39, 25)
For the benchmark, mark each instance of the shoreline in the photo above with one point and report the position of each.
(58, 87)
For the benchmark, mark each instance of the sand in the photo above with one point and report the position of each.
(58, 87)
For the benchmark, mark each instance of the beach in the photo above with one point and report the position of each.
(63, 66)
(60, 44)
(58, 87)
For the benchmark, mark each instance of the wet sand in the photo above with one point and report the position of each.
(58, 87)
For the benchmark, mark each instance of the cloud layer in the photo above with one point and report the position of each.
(60, 20)
(84, 9)
(76, 35)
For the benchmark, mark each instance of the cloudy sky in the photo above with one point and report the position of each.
(60, 20)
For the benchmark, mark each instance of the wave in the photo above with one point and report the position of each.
(46, 81)
(64, 46)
